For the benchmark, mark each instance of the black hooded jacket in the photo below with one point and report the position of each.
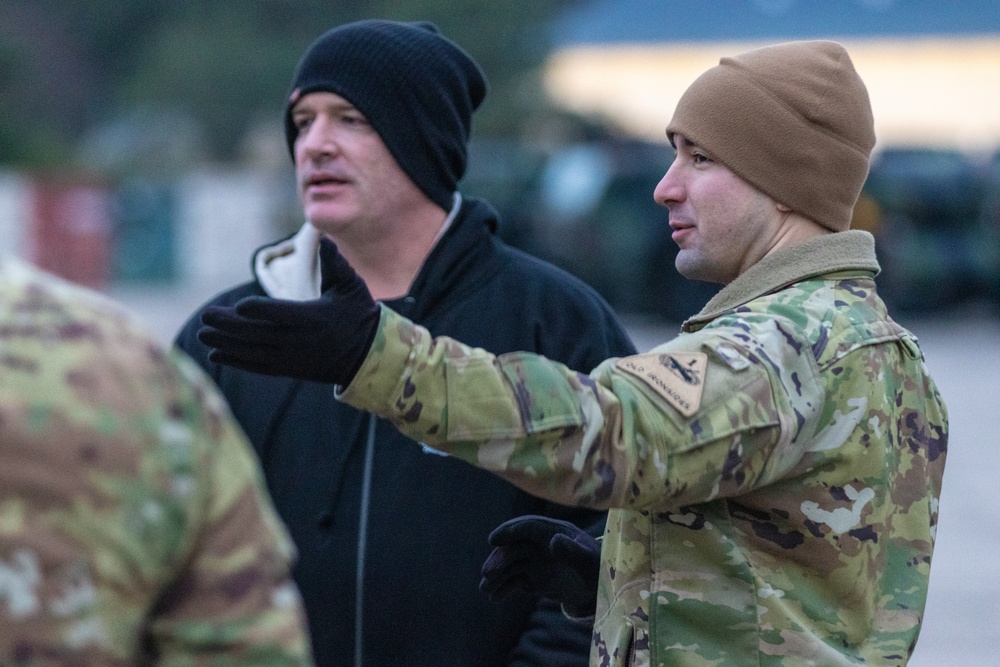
(346, 483)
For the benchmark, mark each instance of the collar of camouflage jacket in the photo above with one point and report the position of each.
(852, 250)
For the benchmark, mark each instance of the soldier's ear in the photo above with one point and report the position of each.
(782, 208)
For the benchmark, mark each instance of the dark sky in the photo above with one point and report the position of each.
(601, 21)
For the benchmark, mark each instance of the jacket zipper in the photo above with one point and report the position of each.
(359, 582)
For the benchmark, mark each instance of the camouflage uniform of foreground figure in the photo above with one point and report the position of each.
(774, 471)
(133, 527)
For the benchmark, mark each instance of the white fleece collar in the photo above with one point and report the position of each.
(290, 270)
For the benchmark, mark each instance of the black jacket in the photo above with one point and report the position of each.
(428, 516)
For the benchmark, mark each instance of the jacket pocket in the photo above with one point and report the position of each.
(614, 642)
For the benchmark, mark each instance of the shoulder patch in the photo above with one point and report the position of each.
(679, 377)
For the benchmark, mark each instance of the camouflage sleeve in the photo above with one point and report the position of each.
(707, 415)
(133, 525)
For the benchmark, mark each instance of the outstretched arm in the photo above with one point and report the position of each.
(701, 417)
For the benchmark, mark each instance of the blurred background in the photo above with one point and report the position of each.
(142, 154)
(141, 143)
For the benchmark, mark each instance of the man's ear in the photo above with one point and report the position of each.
(782, 208)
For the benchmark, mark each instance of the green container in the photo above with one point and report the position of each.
(145, 232)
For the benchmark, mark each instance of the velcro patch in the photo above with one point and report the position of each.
(679, 377)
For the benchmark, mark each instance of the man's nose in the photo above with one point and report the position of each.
(316, 141)
(669, 189)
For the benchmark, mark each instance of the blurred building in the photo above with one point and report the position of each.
(932, 68)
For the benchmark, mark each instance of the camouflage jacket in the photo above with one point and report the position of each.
(773, 472)
(133, 524)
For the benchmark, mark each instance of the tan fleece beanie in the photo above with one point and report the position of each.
(793, 120)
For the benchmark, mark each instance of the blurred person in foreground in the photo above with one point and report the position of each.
(391, 537)
(134, 524)
(773, 472)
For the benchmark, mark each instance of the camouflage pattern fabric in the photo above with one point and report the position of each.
(133, 525)
(773, 473)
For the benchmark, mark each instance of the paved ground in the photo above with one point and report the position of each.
(962, 623)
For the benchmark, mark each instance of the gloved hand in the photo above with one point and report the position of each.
(552, 558)
(325, 339)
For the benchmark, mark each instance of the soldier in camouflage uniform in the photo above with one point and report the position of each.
(133, 524)
(773, 472)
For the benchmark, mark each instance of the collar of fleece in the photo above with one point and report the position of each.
(289, 269)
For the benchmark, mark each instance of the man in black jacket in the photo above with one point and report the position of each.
(391, 538)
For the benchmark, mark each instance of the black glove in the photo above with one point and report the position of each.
(551, 558)
(325, 339)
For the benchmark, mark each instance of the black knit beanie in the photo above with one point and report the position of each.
(417, 88)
